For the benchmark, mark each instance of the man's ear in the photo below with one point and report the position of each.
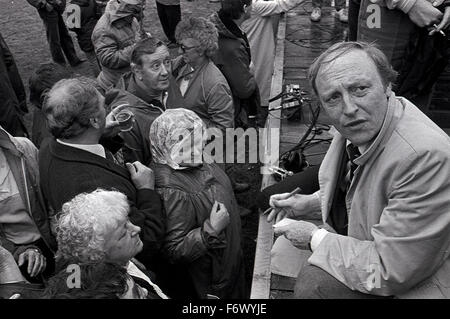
(136, 70)
(43, 97)
(95, 122)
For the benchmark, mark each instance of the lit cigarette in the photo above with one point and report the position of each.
(440, 31)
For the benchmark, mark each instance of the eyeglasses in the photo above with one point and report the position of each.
(185, 48)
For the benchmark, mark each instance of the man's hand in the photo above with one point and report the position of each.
(444, 24)
(299, 233)
(36, 261)
(424, 14)
(219, 217)
(141, 175)
(292, 207)
(112, 126)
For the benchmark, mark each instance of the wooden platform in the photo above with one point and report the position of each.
(299, 42)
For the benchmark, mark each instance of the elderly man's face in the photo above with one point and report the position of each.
(155, 69)
(122, 242)
(353, 95)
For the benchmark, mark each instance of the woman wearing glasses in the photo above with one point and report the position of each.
(200, 86)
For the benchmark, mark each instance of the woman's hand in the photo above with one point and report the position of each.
(219, 217)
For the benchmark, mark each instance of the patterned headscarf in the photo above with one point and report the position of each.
(174, 135)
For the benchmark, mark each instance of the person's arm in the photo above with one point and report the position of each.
(220, 106)
(108, 51)
(236, 70)
(411, 240)
(421, 12)
(185, 240)
(147, 213)
(267, 8)
(14, 76)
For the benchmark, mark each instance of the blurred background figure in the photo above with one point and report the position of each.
(58, 37)
(12, 94)
(39, 83)
(203, 226)
(261, 36)
(234, 59)
(81, 16)
(114, 38)
(169, 13)
(340, 10)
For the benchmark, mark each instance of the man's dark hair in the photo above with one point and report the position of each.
(42, 80)
(144, 47)
(234, 8)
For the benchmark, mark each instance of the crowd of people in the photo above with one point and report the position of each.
(110, 197)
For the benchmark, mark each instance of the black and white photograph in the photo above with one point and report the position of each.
(224, 158)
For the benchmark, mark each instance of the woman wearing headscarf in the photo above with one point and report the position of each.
(203, 228)
(201, 87)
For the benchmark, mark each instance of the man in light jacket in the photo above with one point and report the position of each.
(24, 222)
(389, 204)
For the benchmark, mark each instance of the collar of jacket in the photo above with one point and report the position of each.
(127, 87)
(393, 115)
(187, 69)
(221, 29)
(9, 142)
(71, 154)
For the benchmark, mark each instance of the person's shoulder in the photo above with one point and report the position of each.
(25, 144)
(420, 134)
(213, 75)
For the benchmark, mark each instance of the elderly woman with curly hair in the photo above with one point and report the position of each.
(203, 226)
(200, 86)
(94, 228)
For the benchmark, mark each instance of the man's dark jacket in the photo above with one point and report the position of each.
(67, 171)
(12, 94)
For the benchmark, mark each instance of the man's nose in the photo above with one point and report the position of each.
(164, 70)
(349, 106)
(135, 230)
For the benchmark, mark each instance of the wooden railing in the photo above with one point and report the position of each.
(261, 272)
